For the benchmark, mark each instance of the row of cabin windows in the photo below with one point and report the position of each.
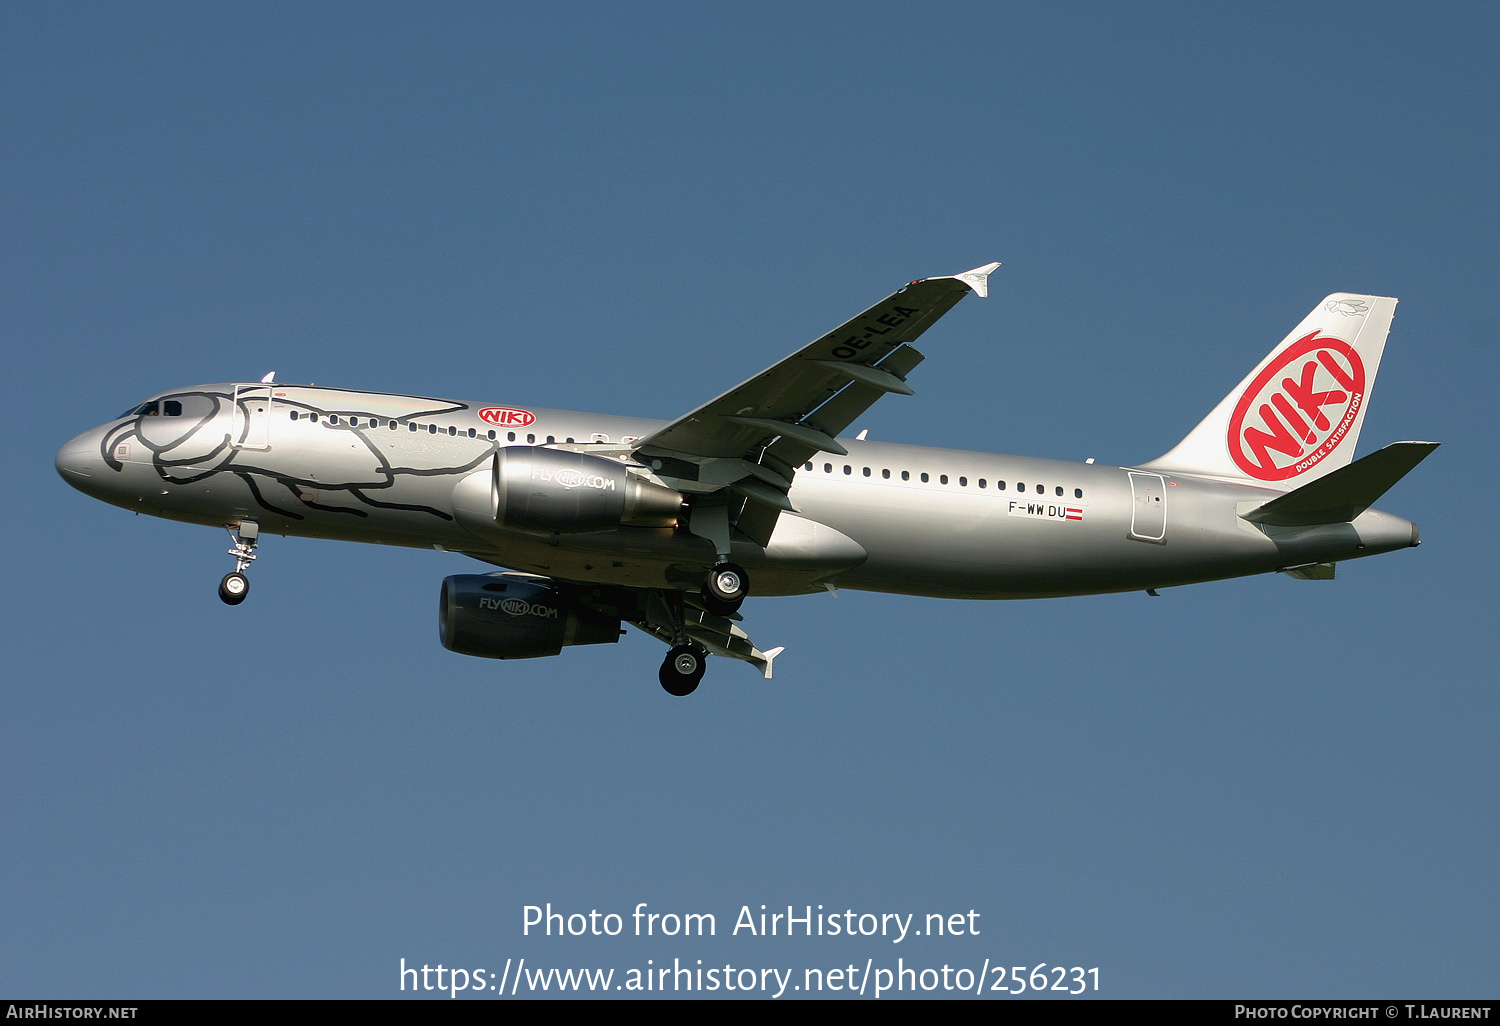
(431, 429)
(963, 482)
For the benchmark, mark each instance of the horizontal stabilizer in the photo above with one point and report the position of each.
(1312, 571)
(1344, 494)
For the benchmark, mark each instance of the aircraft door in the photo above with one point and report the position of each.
(251, 413)
(1148, 508)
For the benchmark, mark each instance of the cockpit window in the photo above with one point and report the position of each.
(155, 408)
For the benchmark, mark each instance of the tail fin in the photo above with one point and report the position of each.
(1297, 415)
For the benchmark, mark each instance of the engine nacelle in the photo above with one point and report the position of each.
(499, 618)
(557, 491)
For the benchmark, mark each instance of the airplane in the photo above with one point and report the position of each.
(595, 520)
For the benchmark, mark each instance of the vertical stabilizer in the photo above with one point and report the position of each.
(1297, 415)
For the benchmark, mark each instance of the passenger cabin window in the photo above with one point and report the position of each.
(828, 468)
(393, 425)
(492, 435)
(886, 474)
(942, 479)
(906, 475)
(452, 430)
(1041, 490)
(411, 425)
(1077, 493)
(981, 482)
(510, 436)
(531, 439)
(848, 469)
(294, 414)
(867, 472)
(963, 482)
(924, 478)
(313, 417)
(333, 418)
(1059, 490)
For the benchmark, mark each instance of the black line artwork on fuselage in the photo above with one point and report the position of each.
(189, 440)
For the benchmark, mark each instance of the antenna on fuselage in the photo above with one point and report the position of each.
(268, 378)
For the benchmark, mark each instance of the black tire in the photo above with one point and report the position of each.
(725, 588)
(233, 588)
(682, 670)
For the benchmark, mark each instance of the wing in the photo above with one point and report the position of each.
(749, 440)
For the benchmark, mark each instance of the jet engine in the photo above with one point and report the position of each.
(555, 491)
(501, 618)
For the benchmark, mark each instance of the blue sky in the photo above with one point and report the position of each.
(1254, 788)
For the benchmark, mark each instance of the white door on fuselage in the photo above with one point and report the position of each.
(252, 417)
(1148, 508)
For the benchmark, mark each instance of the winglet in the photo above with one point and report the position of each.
(770, 656)
(978, 279)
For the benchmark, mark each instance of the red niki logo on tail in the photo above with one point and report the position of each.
(1298, 409)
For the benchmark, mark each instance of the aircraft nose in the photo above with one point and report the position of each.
(79, 461)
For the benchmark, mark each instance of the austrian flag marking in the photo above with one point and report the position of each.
(1298, 409)
(504, 416)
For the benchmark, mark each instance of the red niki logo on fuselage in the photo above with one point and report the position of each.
(1298, 409)
(504, 416)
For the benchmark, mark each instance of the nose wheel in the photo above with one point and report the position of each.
(233, 588)
(682, 670)
(235, 585)
(725, 588)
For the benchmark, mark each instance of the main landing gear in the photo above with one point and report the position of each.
(683, 669)
(235, 585)
(724, 589)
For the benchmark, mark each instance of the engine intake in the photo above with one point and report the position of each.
(499, 618)
(556, 491)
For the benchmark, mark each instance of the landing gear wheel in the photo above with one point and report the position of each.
(682, 670)
(725, 588)
(233, 588)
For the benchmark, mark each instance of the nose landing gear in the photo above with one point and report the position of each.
(233, 588)
(235, 585)
(724, 589)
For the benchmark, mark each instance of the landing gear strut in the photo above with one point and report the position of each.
(725, 588)
(235, 585)
(683, 669)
